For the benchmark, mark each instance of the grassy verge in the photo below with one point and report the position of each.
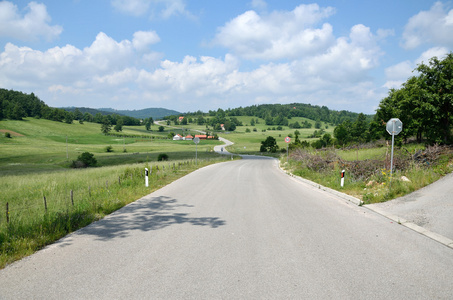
(367, 174)
(73, 199)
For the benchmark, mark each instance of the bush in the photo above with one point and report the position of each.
(109, 149)
(84, 160)
(7, 135)
(162, 157)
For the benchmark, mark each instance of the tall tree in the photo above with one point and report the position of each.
(436, 85)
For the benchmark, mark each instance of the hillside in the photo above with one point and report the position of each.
(155, 113)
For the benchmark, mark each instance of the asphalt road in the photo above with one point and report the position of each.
(430, 207)
(237, 230)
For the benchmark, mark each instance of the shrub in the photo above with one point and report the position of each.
(162, 157)
(109, 149)
(7, 135)
(84, 160)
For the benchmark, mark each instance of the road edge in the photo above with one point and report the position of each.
(423, 231)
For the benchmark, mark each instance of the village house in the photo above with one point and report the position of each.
(177, 137)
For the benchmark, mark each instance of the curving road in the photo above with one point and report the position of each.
(237, 230)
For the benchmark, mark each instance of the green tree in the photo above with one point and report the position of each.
(424, 103)
(359, 130)
(436, 87)
(84, 160)
(119, 125)
(161, 128)
(77, 114)
(68, 117)
(269, 145)
(106, 126)
(342, 133)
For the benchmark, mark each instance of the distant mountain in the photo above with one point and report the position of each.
(92, 111)
(155, 113)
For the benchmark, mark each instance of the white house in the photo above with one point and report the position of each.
(177, 137)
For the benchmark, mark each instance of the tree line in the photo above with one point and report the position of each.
(15, 105)
(424, 104)
(281, 114)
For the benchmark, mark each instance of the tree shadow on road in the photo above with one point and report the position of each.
(145, 215)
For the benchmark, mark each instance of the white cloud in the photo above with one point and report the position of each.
(132, 7)
(398, 74)
(142, 39)
(104, 59)
(29, 27)
(439, 52)
(311, 66)
(259, 4)
(432, 27)
(279, 35)
(168, 8)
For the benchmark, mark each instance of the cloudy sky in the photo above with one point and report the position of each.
(190, 55)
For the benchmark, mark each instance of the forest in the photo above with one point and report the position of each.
(15, 105)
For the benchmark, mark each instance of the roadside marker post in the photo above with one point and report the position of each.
(196, 140)
(342, 179)
(146, 177)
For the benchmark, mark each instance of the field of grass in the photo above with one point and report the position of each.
(250, 142)
(43, 147)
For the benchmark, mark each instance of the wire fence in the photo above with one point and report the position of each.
(89, 197)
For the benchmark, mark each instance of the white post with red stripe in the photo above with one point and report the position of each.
(342, 178)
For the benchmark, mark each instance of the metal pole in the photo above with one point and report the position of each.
(391, 157)
(196, 154)
(287, 152)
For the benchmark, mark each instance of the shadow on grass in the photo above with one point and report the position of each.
(145, 215)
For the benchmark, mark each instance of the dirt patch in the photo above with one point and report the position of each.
(10, 132)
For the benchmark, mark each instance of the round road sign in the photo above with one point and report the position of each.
(394, 126)
(287, 139)
(196, 140)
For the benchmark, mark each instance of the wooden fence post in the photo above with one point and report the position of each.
(72, 197)
(7, 212)
(45, 203)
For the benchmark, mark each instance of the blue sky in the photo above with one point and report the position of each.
(203, 55)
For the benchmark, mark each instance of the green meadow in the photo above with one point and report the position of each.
(249, 142)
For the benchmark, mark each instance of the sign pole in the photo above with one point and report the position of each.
(394, 127)
(287, 140)
(391, 157)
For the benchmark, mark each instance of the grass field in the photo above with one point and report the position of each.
(48, 146)
(250, 142)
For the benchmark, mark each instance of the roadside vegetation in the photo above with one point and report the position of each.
(367, 168)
